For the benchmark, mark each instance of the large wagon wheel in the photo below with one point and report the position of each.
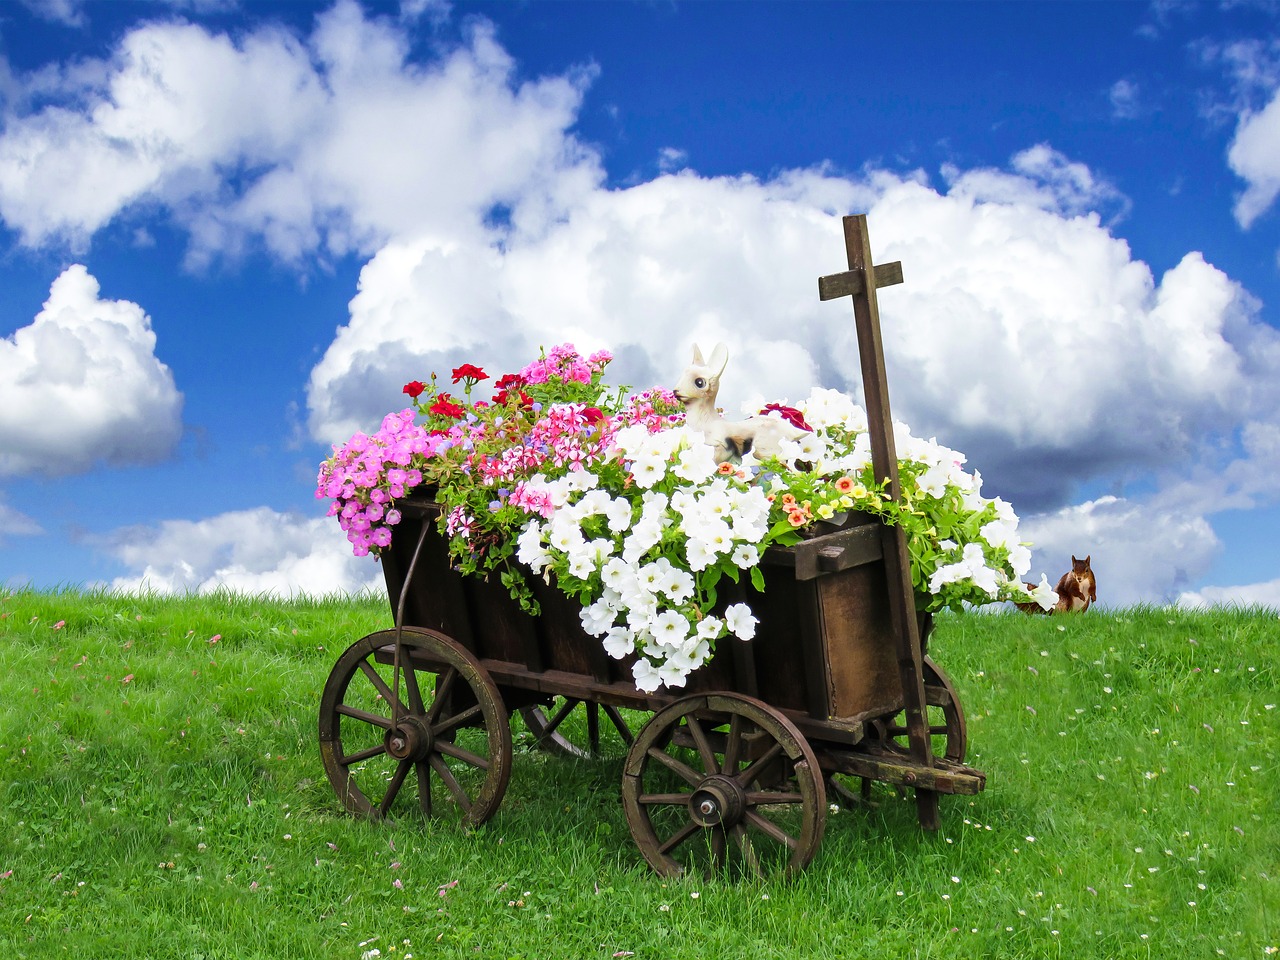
(944, 715)
(448, 728)
(723, 780)
(572, 728)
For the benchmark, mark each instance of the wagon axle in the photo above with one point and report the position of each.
(718, 801)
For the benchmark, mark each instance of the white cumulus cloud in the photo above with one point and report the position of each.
(256, 551)
(333, 144)
(82, 385)
(1255, 156)
(1245, 595)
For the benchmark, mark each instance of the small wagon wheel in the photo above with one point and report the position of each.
(944, 715)
(448, 728)
(572, 728)
(723, 780)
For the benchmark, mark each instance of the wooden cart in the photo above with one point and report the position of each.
(736, 767)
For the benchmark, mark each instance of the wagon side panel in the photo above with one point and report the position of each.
(860, 655)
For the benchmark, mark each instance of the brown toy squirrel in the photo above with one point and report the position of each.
(1076, 589)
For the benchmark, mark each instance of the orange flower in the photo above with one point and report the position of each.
(788, 500)
(797, 518)
(725, 469)
(844, 484)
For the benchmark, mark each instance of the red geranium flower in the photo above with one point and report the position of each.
(593, 415)
(503, 397)
(790, 414)
(445, 407)
(469, 371)
(414, 388)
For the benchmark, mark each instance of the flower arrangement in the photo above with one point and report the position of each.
(624, 505)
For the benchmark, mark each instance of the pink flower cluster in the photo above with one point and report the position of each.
(366, 475)
(647, 409)
(567, 435)
(566, 363)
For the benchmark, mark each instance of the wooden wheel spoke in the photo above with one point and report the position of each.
(358, 714)
(719, 847)
(558, 717)
(424, 786)
(771, 829)
(457, 720)
(446, 775)
(705, 752)
(375, 678)
(767, 798)
(393, 788)
(746, 847)
(663, 799)
(361, 755)
(619, 724)
(415, 692)
(444, 683)
(733, 746)
(681, 769)
(593, 726)
(463, 754)
(753, 769)
(679, 837)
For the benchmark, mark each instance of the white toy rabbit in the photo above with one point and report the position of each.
(731, 439)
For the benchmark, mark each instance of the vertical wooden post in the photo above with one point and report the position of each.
(860, 282)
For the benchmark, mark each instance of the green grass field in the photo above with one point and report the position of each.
(162, 795)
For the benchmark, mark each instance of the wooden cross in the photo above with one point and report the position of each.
(860, 282)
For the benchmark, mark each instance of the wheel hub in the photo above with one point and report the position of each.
(718, 801)
(410, 740)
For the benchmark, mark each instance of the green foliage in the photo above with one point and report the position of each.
(161, 796)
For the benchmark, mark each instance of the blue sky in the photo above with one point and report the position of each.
(229, 233)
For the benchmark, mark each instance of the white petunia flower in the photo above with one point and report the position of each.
(669, 628)
(646, 676)
(618, 513)
(741, 621)
(619, 642)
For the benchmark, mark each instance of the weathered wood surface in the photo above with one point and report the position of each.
(823, 650)
(884, 459)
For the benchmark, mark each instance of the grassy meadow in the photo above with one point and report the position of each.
(162, 796)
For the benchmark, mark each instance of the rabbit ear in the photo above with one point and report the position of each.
(719, 358)
(697, 357)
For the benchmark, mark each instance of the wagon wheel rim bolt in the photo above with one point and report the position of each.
(718, 801)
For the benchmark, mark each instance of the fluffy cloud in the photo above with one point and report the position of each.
(82, 384)
(1026, 334)
(14, 523)
(1247, 595)
(1255, 156)
(255, 551)
(1253, 69)
(334, 144)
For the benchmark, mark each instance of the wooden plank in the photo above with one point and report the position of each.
(900, 770)
(830, 553)
(849, 283)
